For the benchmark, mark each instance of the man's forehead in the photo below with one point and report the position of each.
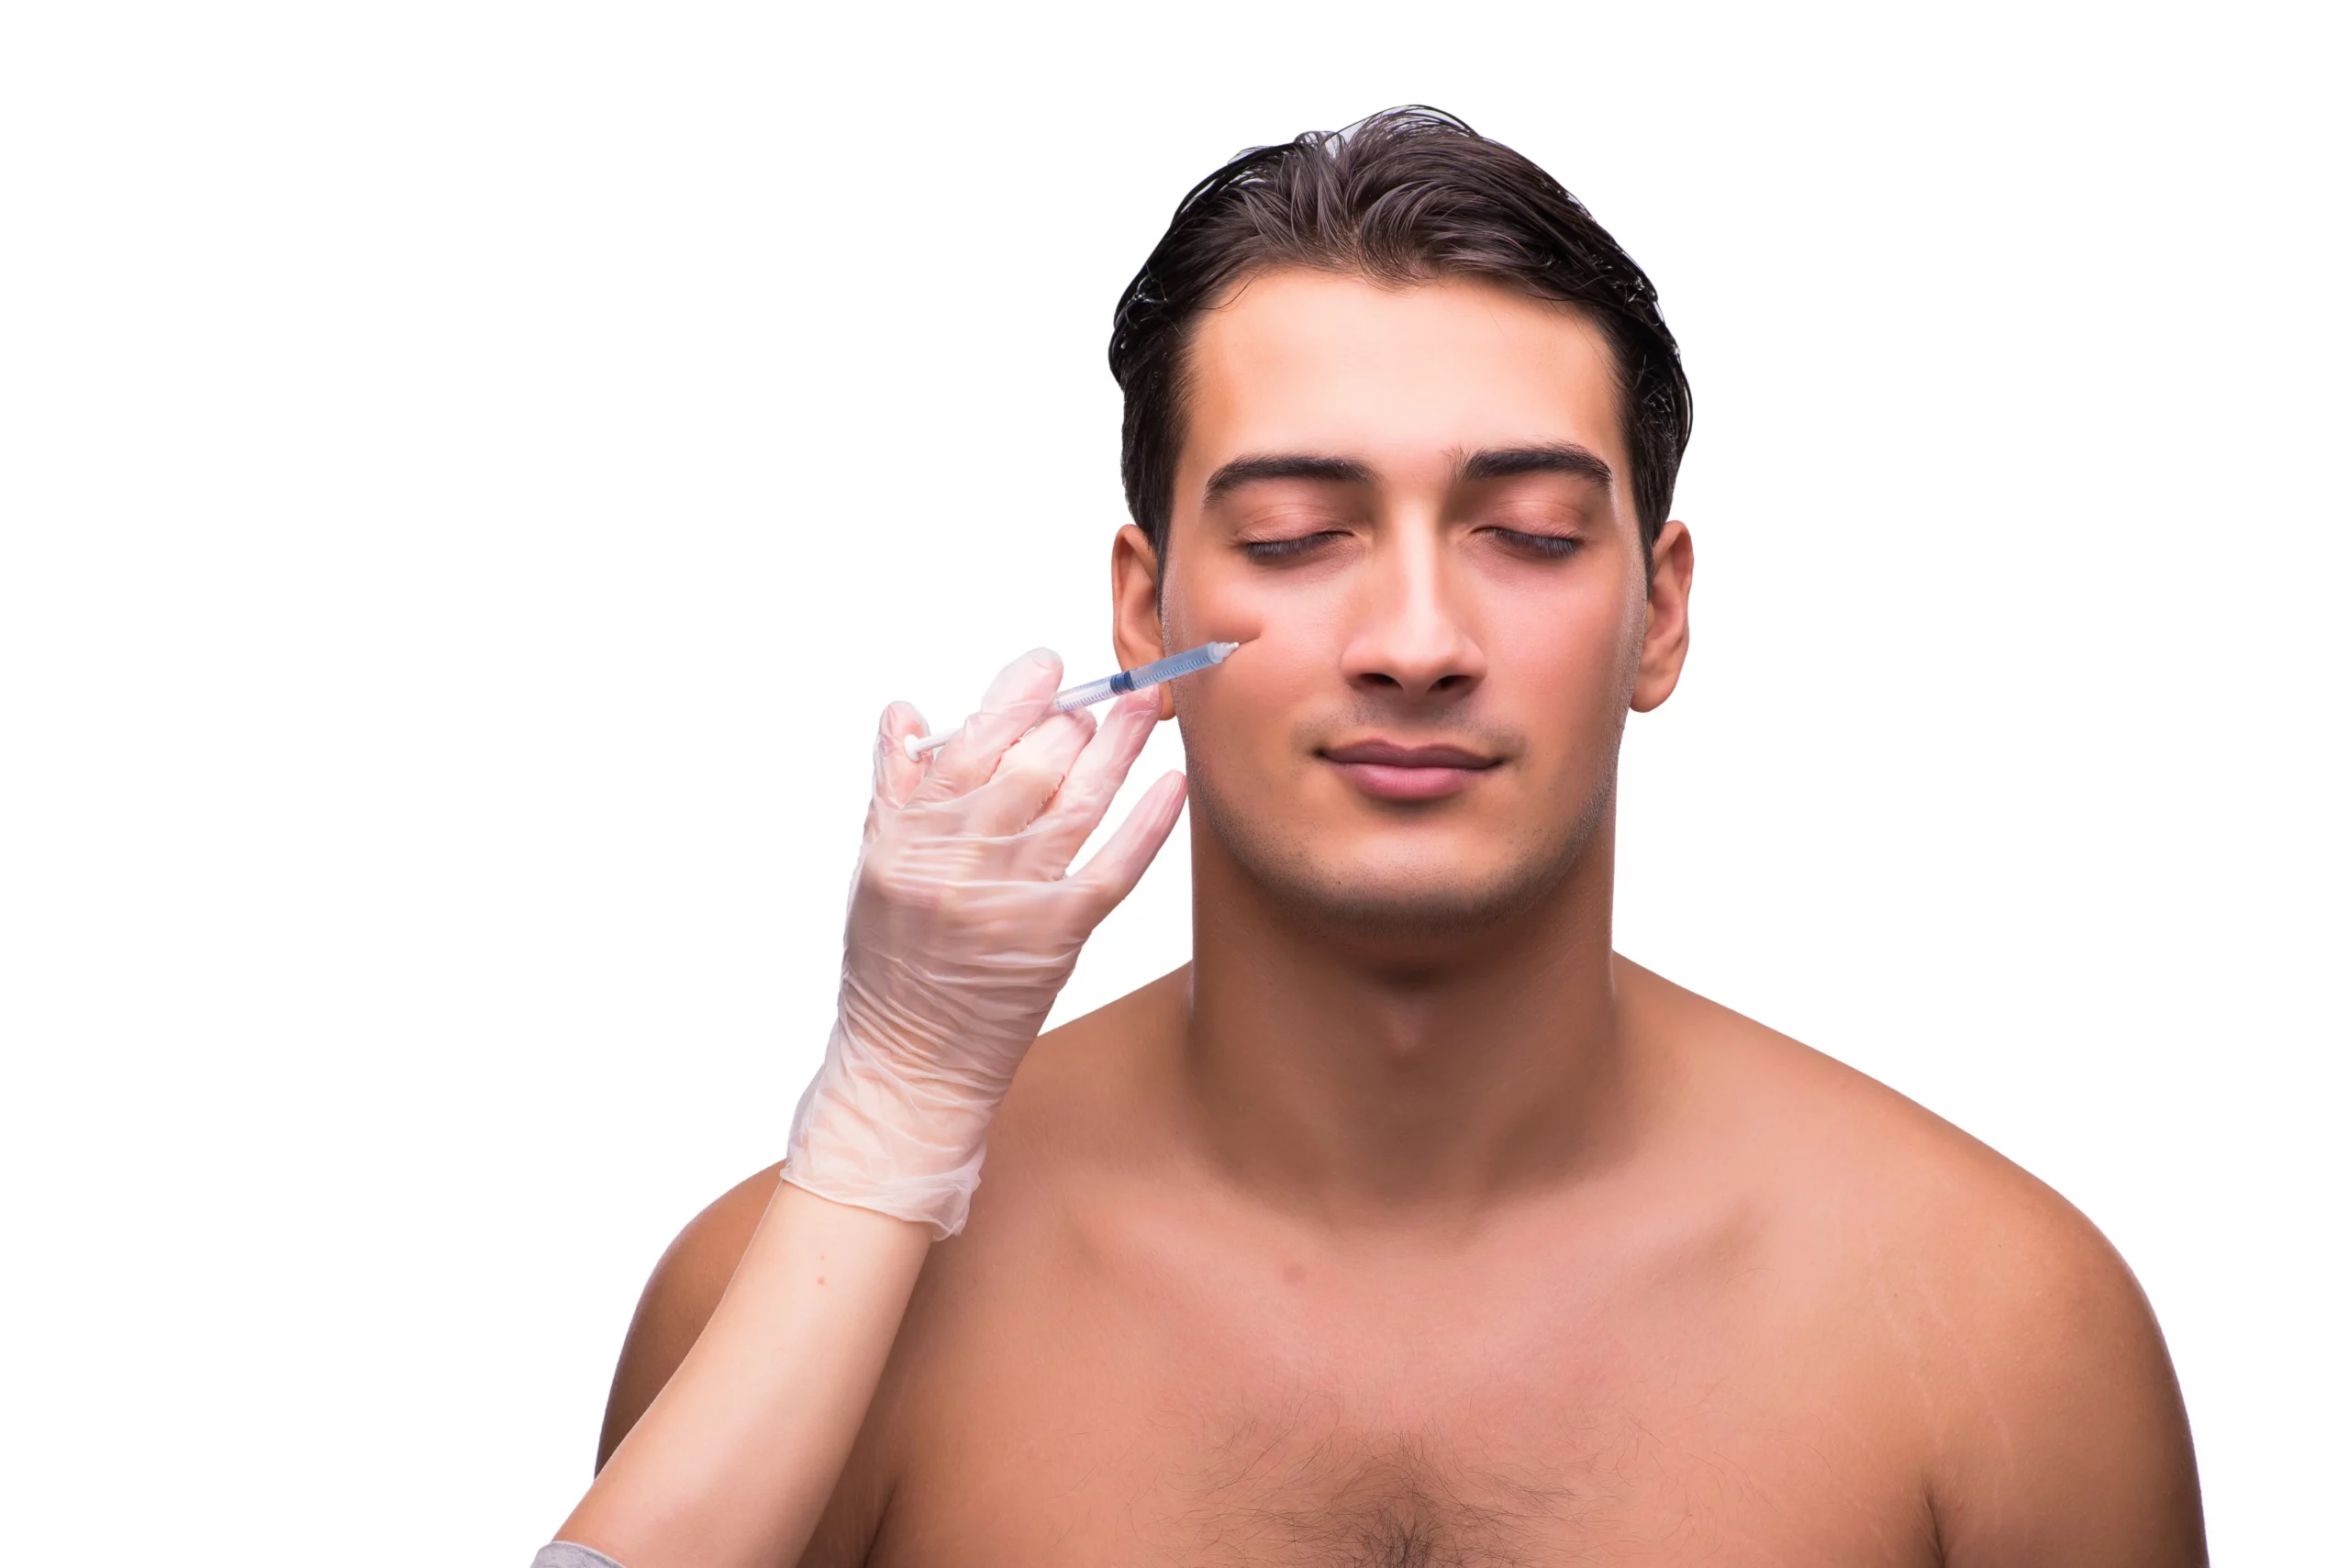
(1413, 375)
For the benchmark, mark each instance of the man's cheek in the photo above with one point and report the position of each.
(1223, 728)
(1566, 700)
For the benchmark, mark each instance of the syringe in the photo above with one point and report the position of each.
(1109, 686)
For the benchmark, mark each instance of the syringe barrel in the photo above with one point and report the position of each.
(1150, 675)
(1092, 692)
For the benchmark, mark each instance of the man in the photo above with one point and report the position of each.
(1408, 1224)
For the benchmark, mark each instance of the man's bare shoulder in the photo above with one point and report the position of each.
(1080, 1062)
(1806, 1127)
(2029, 1351)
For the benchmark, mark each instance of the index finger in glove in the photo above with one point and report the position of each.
(1015, 699)
(895, 775)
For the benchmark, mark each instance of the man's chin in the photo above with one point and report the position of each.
(1389, 910)
(1418, 896)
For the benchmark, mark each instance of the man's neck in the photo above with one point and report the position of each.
(1360, 1077)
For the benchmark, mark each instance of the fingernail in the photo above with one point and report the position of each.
(1042, 656)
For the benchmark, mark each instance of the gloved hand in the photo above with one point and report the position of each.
(962, 927)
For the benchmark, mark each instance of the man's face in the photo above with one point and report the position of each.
(1417, 502)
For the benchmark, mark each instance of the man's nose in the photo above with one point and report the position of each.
(1412, 635)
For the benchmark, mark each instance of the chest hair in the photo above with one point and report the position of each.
(1348, 1500)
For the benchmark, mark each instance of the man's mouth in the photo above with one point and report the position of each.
(1386, 770)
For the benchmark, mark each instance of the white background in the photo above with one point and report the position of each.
(471, 475)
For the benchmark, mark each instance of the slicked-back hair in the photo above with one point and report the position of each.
(1406, 197)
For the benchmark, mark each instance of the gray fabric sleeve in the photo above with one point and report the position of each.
(564, 1555)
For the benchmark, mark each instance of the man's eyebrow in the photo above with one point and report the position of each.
(1284, 465)
(1561, 457)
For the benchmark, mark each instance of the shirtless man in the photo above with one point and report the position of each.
(1408, 1224)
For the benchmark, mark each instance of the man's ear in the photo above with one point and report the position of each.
(1133, 607)
(1666, 646)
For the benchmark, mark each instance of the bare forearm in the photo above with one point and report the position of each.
(735, 1459)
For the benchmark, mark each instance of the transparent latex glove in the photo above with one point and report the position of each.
(964, 924)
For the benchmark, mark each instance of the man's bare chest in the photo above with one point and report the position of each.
(1208, 1475)
(1121, 1418)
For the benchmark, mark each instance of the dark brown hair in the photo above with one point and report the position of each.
(1402, 198)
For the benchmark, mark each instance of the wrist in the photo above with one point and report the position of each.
(874, 1138)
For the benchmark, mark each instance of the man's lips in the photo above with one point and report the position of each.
(1388, 771)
